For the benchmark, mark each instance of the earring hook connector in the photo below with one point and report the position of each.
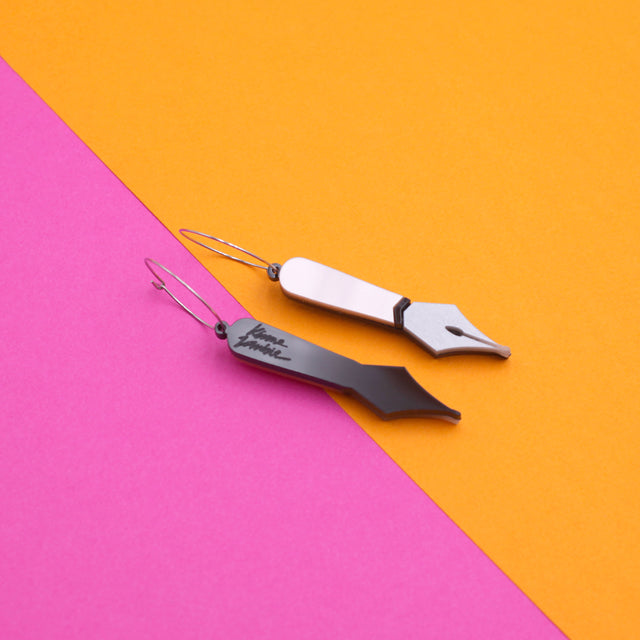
(219, 327)
(265, 263)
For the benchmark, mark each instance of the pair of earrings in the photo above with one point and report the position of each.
(391, 392)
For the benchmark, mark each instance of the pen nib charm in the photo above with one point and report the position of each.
(390, 392)
(442, 329)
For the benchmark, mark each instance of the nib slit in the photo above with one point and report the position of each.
(457, 331)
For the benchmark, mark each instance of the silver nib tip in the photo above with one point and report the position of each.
(498, 349)
(444, 330)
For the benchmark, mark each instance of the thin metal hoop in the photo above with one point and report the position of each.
(266, 264)
(163, 287)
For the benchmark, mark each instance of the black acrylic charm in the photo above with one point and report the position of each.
(391, 392)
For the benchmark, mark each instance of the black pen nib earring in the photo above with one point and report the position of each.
(390, 392)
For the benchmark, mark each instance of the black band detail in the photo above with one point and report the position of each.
(398, 312)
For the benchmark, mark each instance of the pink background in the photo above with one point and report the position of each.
(155, 487)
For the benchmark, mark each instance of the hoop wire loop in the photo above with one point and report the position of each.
(161, 285)
(266, 264)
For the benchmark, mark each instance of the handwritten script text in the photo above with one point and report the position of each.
(258, 339)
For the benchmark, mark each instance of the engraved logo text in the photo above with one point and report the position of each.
(258, 339)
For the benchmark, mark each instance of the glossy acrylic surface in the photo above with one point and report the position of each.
(318, 284)
(390, 392)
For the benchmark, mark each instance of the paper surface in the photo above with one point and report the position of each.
(480, 154)
(155, 487)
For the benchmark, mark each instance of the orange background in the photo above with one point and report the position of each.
(476, 153)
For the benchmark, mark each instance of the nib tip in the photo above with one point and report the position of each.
(503, 351)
